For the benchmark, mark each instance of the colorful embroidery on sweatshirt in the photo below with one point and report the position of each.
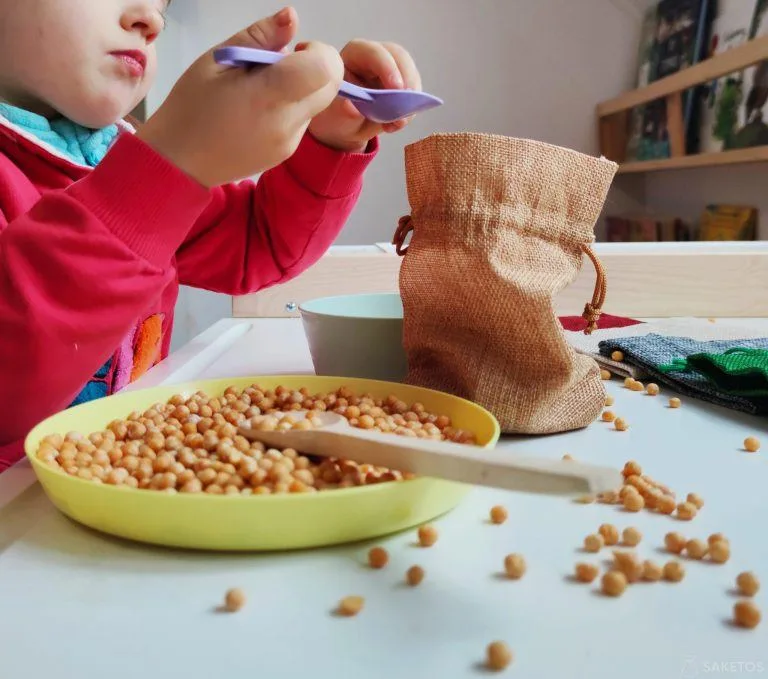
(138, 352)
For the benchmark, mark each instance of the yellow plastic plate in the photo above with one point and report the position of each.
(253, 523)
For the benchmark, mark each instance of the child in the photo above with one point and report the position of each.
(99, 226)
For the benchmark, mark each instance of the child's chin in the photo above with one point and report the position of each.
(99, 115)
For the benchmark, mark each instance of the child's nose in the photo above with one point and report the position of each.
(145, 18)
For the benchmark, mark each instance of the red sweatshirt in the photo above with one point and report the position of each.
(91, 259)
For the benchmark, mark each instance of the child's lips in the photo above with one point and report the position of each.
(134, 61)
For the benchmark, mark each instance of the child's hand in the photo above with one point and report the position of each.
(382, 65)
(220, 124)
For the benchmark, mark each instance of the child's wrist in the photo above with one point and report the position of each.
(173, 150)
(342, 145)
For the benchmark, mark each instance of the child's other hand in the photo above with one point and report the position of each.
(381, 65)
(220, 124)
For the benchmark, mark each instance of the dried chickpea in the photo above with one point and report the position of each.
(652, 389)
(378, 557)
(674, 542)
(605, 375)
(696, 549)
(652, 499)
(674, 571)
(614, 583)
(628, 381)
(608, 416)
(652, 572)
(427, 535)
(514, 566)
(567, 458)
(746, 614)
(585, 499)
(608, 497)
(686, 511)
(609, 401)
(695, 500)
(498, 656)
(234, 600)
(628, 563)
(620, 424)
(633, 502)
(637, 386)
(666, 504)
(193, 486)
(747, 583)
(716, 537)
(351, 605)
(720, 551)
(751, 444)
(593, 543)
(631, 537)
(609, 533)
(674, 402)
(586, 572)
(617, 356)
(625, 491)
(414, 575)
(499, 514)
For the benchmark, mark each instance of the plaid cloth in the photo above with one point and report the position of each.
(666, 359)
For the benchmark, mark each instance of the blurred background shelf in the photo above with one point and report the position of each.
(614, 115)
(758, 154)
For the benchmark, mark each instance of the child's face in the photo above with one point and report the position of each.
(90, 61)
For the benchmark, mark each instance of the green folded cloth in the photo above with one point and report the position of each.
(739, 371)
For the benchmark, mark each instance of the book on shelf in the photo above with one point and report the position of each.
(645, 229)
(680, 39)
(728, 222)
(748, 127)
(721, 109)
(645, 59)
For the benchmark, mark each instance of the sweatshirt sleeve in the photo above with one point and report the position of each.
(78, 269)
(256, 234)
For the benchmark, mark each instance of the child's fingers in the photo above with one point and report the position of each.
(397, 125)
(372, 63)
(310, 77)
(272, 33)
(406, 65)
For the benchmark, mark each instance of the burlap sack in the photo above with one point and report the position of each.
(500, 226)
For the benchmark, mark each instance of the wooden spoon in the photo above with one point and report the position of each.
(440, 459)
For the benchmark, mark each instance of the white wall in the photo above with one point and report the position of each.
(526, 68)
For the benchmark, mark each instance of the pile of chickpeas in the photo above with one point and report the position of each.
(192, 444)
(640, 491)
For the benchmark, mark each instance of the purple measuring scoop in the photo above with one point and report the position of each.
(380, 106)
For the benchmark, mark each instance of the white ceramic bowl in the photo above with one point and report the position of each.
(356, 336)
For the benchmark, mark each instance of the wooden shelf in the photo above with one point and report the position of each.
(736, 59)
(758, 154)
(614, 115)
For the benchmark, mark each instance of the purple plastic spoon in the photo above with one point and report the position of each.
(380, 106)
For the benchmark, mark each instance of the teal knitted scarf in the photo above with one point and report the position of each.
(79, 144)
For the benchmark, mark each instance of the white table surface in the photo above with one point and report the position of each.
(76, 604)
